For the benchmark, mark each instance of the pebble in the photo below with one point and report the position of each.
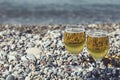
(11, 58)
(10, 67)
(27, 78)
(23, 58)
(31, 57)
(27, 56)
(34, 51)
(10, 77)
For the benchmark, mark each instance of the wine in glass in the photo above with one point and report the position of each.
(74, 39)
(97, 44)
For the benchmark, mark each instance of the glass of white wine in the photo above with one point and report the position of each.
(97, 44)
(74, 38)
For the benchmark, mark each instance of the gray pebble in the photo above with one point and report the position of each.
(10, 77)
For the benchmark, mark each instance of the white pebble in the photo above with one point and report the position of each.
(34, 51)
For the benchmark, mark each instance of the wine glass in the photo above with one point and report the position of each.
(74, 38)
(97, 44)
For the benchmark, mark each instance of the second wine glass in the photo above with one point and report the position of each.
(97, 44)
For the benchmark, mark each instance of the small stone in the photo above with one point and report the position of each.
(27, 78)
(90, 68)
(30, 45)
(20, 71)
(1, 62)
(6, 65)
(14, 53)
(10, 67)
(2, 78)
(34, 51)
(95, 72)
(23, 38)
(6, 26)
(89, 74)
(10, 77)
(115, 72)
(31, 57)
(23, 58)
(13, 46)
(11, 58)
(32, 67)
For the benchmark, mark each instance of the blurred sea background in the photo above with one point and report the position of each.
(59, 11)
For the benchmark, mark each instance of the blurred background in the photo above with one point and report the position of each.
(59, 11)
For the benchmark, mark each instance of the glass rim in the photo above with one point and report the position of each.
(97, 33)
(75, 28)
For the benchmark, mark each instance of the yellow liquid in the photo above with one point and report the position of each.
(97, 46)
(74, 42)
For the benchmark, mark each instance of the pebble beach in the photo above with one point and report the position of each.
(34, 52)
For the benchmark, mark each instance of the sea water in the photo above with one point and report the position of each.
(59, 11)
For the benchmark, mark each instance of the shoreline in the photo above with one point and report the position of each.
(106, 26)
